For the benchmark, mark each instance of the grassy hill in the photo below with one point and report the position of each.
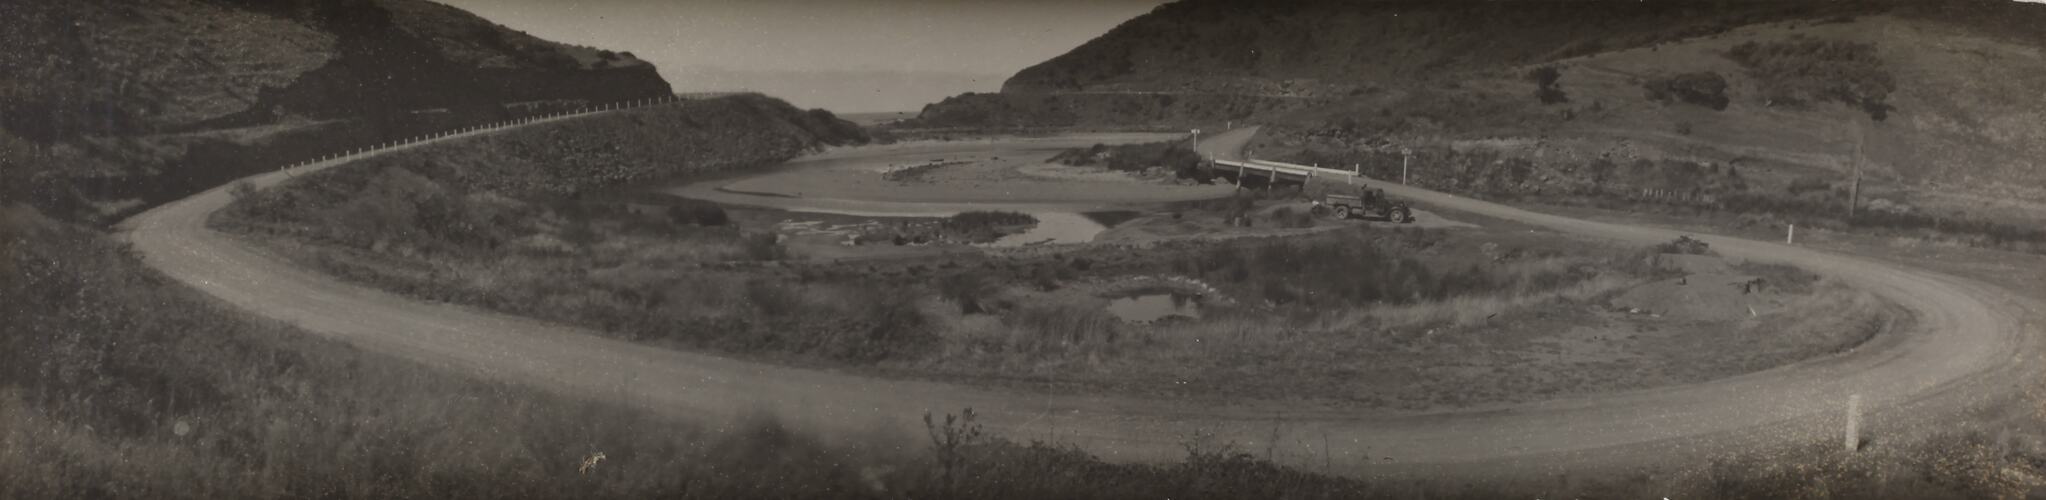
(475, 196)
(142, 102)
(1323, 47)
(1564, 92)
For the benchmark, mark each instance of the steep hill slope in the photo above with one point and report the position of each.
(1322, 47)
(148, 100)
(1779, 91)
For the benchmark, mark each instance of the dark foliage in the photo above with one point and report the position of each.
(1174, 156)
(1803, 70)
(1703, 88)
(1683, 245)
(975, 220)
(1546, 88)
(697, 213)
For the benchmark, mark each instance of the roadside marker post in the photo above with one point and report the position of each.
(1791, 237)
(1406, 157)
(1853, 422)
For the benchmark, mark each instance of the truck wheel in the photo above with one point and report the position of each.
(1402, 216)
(1342, 212)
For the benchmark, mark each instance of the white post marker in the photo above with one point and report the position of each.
(1197, 139)
(1790, 238)
(1406, 156)
(1853, 422)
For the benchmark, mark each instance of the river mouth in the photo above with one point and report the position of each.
(956, 177)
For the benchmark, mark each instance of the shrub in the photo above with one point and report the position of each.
(1286, 217)
(986, 219)
(1546, 88)
(1059, 325)
(1703, 88)
(701, 214)
(1802, 70)
(762, 247)
(968, 289)
(1684, 245)
(241, 190)
(1808, 184)
(1174, 156)
(893, 328)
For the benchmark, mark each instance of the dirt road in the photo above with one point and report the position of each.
(1967, 348)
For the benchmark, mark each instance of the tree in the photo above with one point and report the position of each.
(1546, 88)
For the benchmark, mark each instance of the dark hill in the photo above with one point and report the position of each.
(1297, 47)
(152, 100)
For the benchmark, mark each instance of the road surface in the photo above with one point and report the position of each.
(1968, 344)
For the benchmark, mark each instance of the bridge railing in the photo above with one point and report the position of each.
(358, 152)
(1272, 169)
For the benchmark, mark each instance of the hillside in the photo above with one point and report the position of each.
(1322, 47)
(479, 195)
(1779, 91)
(141, 102)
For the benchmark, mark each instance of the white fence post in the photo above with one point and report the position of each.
(1791, 237)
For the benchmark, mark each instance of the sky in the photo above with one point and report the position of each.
(849, 56)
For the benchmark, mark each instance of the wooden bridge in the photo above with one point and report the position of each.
(1272, 172)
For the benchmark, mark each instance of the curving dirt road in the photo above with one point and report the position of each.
(1967, 345)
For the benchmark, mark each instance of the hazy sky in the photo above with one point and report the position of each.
(847, 55)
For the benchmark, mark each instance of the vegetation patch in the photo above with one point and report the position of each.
(984, 225)
(1804, 70)
(1547, 90)
(1704, 88)
(1674, 186)
(1684, 245)
(1173, 156)
(917, 172)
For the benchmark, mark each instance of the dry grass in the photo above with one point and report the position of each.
(1474, 310)
(115, 382)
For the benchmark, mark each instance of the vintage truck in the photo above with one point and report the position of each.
(1367, 203)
